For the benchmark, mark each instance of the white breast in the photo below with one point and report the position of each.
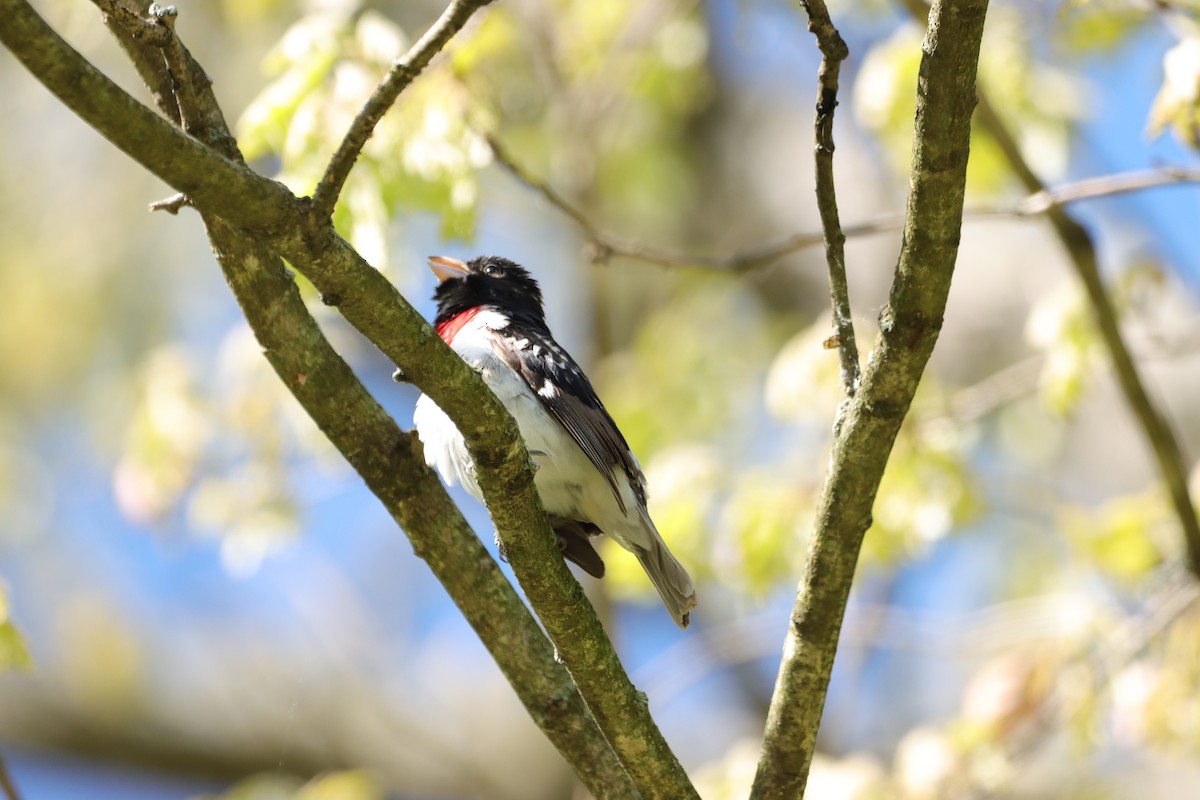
(569, 484)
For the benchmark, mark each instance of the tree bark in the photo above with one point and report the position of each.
(867, 425)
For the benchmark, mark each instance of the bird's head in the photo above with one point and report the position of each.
(485, 282)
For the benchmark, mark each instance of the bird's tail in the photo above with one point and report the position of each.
(672, 581)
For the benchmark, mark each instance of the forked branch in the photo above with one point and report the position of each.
(868, 423)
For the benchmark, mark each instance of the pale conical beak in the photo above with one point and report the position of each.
(446, 268)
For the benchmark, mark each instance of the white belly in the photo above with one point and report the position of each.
(569, 484)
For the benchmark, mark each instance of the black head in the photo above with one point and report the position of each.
(486, 281)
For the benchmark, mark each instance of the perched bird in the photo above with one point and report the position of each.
(490, 313)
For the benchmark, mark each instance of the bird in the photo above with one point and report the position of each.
(489, 310)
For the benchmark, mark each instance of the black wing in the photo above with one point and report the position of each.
(567, 394)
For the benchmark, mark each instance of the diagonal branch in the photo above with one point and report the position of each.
(373, 306)
(868, 423)
(1081, 250)
(833, 53)
(391, 464)
(6, 783)
(404, 70)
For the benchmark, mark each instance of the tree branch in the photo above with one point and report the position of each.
(6, 783)
(372, 305)
(392, 466)
(402, 73)
(1045, 199)
(1082, 253)
(211, 180)
(867, 424)
(607, 245)
(833, 53)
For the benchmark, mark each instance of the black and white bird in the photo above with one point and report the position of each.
(490, 313)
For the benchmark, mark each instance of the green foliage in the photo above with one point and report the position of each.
(1121, 536)
(727, 359)
(14, 653)
(218, 448)
(1097, 26)
(421, 157)
(1177, 105)
(345, 785)
(1061, 326)
(1039, 101)
(928, 489)
(596, 98)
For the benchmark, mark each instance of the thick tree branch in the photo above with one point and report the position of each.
(211, 180)
(833, 53)
(1082, 252)
(402, 73)
(391, 463)
(370, 303)
(867, 425)
(392, 467)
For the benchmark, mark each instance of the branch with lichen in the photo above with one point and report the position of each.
(265, 212)
(868, 423)
(1081, 251)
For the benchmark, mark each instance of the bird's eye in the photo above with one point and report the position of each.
(492, 269)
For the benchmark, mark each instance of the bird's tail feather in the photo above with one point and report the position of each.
(573, 541)
(672, 581)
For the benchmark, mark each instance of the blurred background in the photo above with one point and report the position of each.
(198, 599)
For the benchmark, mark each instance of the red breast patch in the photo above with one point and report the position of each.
(449, 327)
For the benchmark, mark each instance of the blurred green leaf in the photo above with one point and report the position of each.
(1040, 101)
(597, 99)
(928, 489)
(1098, 26)
(1121, 535)
(765, 525)
(422, 156)
(803, 383)
(14, 653)
(345, 785)
(1060, 324)
(718, 339)
(1177, 105)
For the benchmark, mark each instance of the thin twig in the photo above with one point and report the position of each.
(402, 73)
(176, 60)
(138, 27)
(607, 245)
(7, 784)
(868, 423)
(1044, 200)
(1081, 251)
(170, 204)
(833, 52)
